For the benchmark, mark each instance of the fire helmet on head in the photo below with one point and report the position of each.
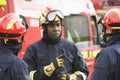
(11, 27)
(53, 15)
(111, 20)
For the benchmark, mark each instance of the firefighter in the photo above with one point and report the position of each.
(12, 32)
(107, 64)
(54, 58)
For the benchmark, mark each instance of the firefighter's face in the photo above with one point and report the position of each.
(108, 32)
(54, 29)
(105, 35)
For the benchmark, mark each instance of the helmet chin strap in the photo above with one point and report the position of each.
(104, 39)
(109, 35)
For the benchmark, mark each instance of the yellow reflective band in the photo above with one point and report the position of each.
(32, 74)
(71, 77)
(3, 2)
(77, 72)
(10, 24)
(82, 74)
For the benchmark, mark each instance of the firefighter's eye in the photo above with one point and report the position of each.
(51, 25)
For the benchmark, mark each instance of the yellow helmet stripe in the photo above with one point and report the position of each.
(10, 24)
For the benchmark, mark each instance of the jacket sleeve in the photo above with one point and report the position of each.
(101, 71)
(19, 70)
(29, 58)
(79, 65)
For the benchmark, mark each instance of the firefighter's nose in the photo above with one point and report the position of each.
(56, 27)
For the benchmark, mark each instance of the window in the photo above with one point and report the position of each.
(76, 30)
(96, 31)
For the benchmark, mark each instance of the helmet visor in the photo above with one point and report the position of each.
(52, 15)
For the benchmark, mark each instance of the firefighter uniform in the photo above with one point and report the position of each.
(12, 68)
(54, 58)
(12, 31)
(107, 66)
(42, 53)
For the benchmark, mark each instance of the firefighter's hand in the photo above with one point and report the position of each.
(57, 63)
(66, 76)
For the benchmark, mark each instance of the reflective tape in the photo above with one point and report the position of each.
(90, 54)
(32, 74)
(82, 74)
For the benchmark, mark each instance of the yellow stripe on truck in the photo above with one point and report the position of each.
(3, 2)
(90, 54)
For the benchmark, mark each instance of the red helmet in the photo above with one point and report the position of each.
(111, 19)
(11, 27)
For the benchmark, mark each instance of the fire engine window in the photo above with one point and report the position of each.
(96, 31)
(76, 30)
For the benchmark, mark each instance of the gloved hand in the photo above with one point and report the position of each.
(57, 63)
(78, 75)
(66, 76)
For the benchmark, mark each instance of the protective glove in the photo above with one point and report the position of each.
(66, 76)
(78, 75)
(57, 63)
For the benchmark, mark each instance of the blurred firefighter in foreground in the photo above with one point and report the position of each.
(12, 31)
(107, 64)
(54, 58)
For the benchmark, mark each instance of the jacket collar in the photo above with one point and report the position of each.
(114, 40)
(49, 40)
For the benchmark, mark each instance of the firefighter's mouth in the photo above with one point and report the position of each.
(56, 33)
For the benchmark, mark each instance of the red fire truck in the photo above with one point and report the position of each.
(101, 6)
(79, 24)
